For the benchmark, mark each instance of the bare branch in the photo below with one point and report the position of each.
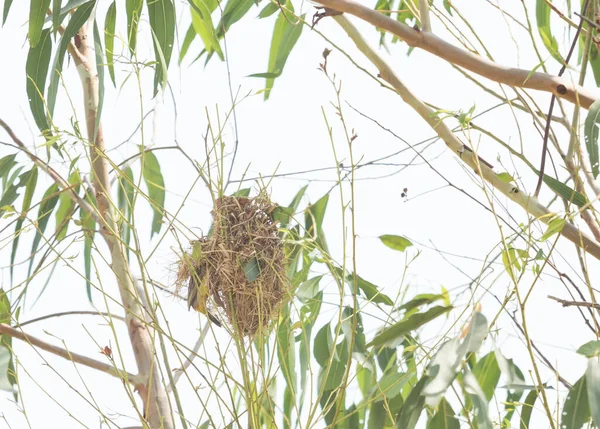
(136, 380)
(566, 303)
(190, 358)
(429, 42)
(480, 166)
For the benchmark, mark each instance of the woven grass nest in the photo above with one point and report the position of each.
(241, 265)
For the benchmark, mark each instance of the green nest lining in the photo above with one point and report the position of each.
(239, 270)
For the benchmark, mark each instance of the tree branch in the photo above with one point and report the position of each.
(429, 42)
(466, 154)
(566, 303)
(136, 380)
(157, 409)
(424, 15)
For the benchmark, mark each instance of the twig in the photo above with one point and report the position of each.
(62, 183)
(68, 313)
(531, 204)
(429, 42)
(136, 380)
(552, 100)
(190, 358)
(566, 303)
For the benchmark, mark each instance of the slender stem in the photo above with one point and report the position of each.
(531, 204)
(74, 357)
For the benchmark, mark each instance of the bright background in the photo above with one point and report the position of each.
(453, 235)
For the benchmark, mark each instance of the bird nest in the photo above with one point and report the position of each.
(239, 271)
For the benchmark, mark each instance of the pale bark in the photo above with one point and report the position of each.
(136, 380)
(157, 410)
(515, 77)
(531, 204)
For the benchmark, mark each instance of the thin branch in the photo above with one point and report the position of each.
(62, 183)
(466, 154)
(136, 380)
(424, 15)
(566, 303)
(429, 42)
(190, 358)
(69, 313)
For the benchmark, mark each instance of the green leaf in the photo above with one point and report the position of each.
(190, 35)
(444, 418)
(36, 68)
(202, 23)
(31, 178)
(592, 379)
(527, 409)
(409, 414)
(162, 23)
(66, 206)
(47, 205)
(286, 350)
(542, 13)
(233, 12)
(377, 416)
(125, 197)
(419, 300)
(133, 9)
(245, 192)
(505, 177)
(487, 373)
(576, 410)
(591, 135)
(411, 323)
(252, 269)
(555, 226)
(8, 197)
(590, 349)
(37, 14)
(322, 346)
(100, 66)
(79, 18)
(7, 163)
(55, 15)
(7, 4)
(478, 398)
(88, 224)
(313, 221)
(5, 358)
(156, 188)
(308, 289)
(369, 289)
(109, 38)
(269, 10)
(286, 33)
(396, 242)
(564, 191)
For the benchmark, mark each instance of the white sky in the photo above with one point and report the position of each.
(287, 134)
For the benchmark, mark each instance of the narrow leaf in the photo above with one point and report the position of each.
(444, 418)
(190, 35)
(591, 135)
(133, 9)
(527, 409)
(592, 378)
(542, 13)
(32, 176)
(162, 23)
(202, 23)
(156, 188)
(36, 68)
(576, 410)
(411, 323)
(79, 18)
(7, 4)
(37, 14)
(109, 38)
(47, 205)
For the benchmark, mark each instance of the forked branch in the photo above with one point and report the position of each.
(429, 42)
(531, 204)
